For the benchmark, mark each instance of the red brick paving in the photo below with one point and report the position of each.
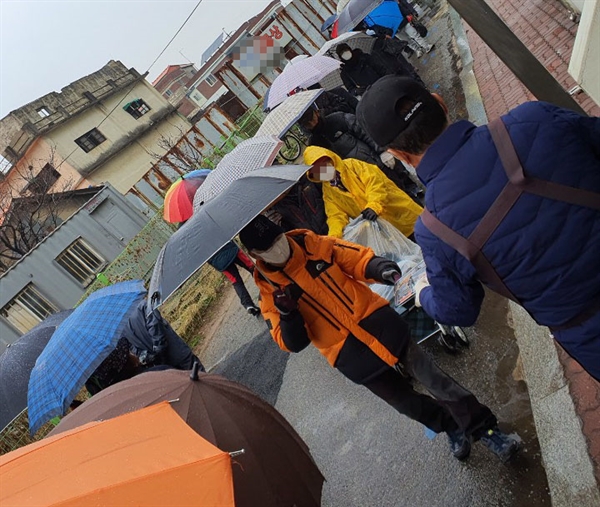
(585, 392)
(545, 28)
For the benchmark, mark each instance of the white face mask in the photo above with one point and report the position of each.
(326, 173)
(346, 55)
(278, 254)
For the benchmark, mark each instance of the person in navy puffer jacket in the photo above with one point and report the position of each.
(539, 243)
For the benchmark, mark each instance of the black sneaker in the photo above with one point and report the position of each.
(253, 310)
(460, 444)
(501, 444)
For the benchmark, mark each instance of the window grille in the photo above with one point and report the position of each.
(81, 261)
(27, 309)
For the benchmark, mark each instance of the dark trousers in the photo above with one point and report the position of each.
(449, 408)
(233, 275)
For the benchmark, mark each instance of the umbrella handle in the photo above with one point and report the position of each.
(195, 369)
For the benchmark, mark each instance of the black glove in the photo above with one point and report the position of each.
(284, 301)
(383, 270)
(369, 214)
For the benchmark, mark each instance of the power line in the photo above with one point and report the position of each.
(136, 81)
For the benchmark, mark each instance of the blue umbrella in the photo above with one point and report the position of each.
(16, 363)
(77, 348)
(328, 23)
(387, 15)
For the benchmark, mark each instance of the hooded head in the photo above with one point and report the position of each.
(325, 164)
(344, 52)
(266, 241)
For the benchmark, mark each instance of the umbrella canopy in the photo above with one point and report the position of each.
(179, 198)
(216, 223)
(354, 12)
(387, 15)
(77, 347)
(148, 457)
(300, 74)
(16, 363)
(355, 40)
(249, 155)
(328, 23)
(276, 467)
(281, 119)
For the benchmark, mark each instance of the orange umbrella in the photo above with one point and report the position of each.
(147, 457)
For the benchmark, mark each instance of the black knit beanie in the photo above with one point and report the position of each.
(260, 234)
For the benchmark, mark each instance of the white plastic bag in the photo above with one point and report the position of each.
(386, 241)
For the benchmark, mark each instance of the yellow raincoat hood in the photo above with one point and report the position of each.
(367, 187)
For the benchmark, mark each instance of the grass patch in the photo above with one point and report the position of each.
(189, 308)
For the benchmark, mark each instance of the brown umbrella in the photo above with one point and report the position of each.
(276, 468)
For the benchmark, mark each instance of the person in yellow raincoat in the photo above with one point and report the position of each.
(352, 187)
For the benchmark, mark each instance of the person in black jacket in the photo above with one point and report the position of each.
(342, 134)
(359, 70)
(389, 50)
(335, 100)
(301, 208)
(155, 342)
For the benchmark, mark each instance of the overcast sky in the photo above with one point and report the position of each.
(47, 44)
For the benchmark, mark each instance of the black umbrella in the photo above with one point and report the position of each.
(354, 12)
(16, 363)
(216, 223)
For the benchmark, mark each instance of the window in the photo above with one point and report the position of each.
(81, 261)
(168, 93)
(5, 165)
(137, 108)
(27, 309)
(43, 181)
(88, 141)
(43, 112)
(211, 80)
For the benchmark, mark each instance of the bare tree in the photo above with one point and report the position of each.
(31, 202)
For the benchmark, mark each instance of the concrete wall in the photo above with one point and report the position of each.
(106, 231)
(585, 58)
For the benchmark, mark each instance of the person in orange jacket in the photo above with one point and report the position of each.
(313, 290)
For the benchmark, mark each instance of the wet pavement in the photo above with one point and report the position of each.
(369, 454)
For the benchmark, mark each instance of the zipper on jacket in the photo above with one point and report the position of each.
(319, 312)
(338, 287)
(336, 295)
(331, 319)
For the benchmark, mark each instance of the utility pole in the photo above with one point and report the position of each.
(507, 46)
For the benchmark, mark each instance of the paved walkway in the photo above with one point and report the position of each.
(545, 28)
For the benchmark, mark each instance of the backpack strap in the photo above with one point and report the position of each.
(543, 188)
(470, 251)
(517, 184)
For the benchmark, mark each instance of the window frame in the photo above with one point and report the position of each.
(90, 140)
(43, 112)
(28, 311)
(213, 77)
(30, 187)
(75, 261)
(137, 108)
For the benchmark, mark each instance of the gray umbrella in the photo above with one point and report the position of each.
(354, 12)
(16, 363)
(216, 223)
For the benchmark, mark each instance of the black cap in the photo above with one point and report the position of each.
(378, 111)
(260, 234)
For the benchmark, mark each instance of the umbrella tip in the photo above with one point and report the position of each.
(195, 369)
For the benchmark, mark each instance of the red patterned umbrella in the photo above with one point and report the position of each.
(180, 196)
